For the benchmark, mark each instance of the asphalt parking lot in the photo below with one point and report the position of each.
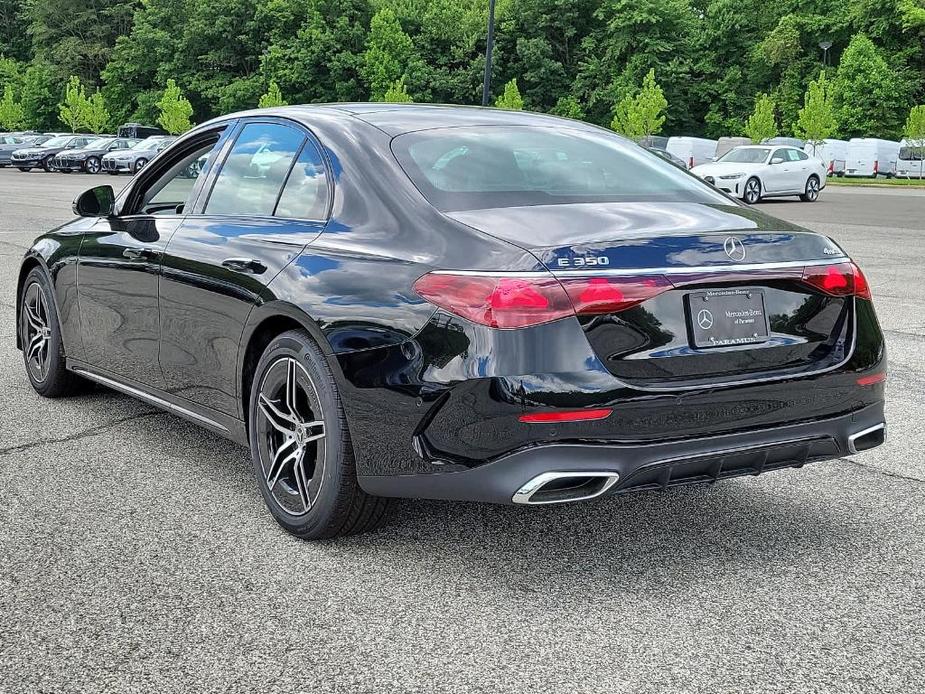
(136, 554)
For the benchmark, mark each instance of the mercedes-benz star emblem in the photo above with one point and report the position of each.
(734, 248)
(705, 319)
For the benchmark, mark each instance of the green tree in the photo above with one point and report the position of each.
(816, 120)
(12, 116)
(568, 107)
(71, 110)
(40, 95)
(272, 98)
(389, 51)
(870, 96)
(762, 124)
(643, 114)
(95, 115)
(511, 98)
(175, 110)
(914, 134)
(397, 93)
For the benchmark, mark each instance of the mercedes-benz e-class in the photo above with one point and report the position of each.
(454, 303)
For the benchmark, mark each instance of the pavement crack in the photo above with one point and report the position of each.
(86, 433)
(881, 471)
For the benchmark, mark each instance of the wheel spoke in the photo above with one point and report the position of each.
(292, 385)
(278, 419)
(35, 346)
(32, 317)
(279, 462)
(302, 483)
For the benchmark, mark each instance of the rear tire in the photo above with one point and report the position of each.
(301, 450)
(43, 347)
(811, 193)
(752, 192)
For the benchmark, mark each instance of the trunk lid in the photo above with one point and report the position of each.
(741, 267)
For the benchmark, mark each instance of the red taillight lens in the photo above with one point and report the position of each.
(841, 279)
(518, 302)
(566, 416)
(597, 295)
(497, 301)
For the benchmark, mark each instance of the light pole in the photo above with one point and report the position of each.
(486, 80)
(825, 46)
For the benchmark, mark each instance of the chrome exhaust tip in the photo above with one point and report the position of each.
(867, 438)
(562, 487)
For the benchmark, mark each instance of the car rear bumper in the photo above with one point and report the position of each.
(645, 466)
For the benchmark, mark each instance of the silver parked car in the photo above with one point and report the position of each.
(134, 159)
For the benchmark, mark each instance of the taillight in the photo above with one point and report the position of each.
(841, 279)
(876, 167)
(500, 301)
(831, 167)
(497, 301)
(597, 295)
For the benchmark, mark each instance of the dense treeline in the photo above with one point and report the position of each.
(712, 58)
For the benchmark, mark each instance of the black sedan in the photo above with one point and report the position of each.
(454, 303)
(10, 143)
(88, 158)
(41, 156)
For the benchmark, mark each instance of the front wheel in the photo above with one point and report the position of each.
(752, 193)
(811, 193)
(47, 165)
(40, 337)
(92, 166)
(140, 164)
(301, 450)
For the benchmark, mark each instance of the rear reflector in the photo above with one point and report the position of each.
(873, 379)
(840, 279)
(566, 416)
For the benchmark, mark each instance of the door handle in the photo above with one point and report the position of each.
(251, 265)
(140, 254)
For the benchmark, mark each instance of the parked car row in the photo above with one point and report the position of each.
(126, 151)
(858, 157)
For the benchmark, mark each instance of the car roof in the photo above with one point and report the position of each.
(396, 119)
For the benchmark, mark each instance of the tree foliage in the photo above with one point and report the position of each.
(273, 97)
(71, 109)
(580, 58)
(12, 116)
(762, 124)
(95, 115)
(175, 110)
(511, 98)
(816, 120)
(914, 134)
(397, 93)
(643, 114)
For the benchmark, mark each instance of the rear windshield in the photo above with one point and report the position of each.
(490, 167)
(912, 153)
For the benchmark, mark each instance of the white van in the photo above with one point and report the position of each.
(833, 153)
(692, 150)
(871, 156)
(726, 144)
(910, 163)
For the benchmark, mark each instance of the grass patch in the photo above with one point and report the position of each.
(909, 182)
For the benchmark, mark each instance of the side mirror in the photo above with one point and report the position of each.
(96, 202)
(777, 160)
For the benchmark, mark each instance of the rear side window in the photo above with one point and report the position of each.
(253, 174)
(305, 195)
(480, 168)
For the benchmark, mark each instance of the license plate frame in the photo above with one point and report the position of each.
(730, 317)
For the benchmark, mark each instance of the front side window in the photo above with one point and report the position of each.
(255, 170)
(170, 192)
(511, 166)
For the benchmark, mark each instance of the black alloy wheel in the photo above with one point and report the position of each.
(300, 447)
(40, 334)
